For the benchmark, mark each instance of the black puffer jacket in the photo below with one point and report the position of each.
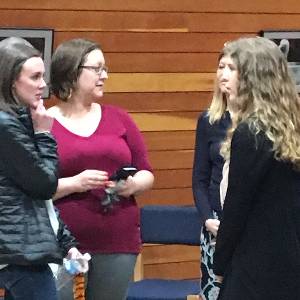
(28, 177)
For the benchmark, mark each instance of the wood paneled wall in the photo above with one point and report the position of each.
(162, 58)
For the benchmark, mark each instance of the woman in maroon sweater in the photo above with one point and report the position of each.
(93, 142)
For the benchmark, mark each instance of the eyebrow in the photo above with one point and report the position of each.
(38, 73)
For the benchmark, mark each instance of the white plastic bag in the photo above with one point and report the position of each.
(71, 267)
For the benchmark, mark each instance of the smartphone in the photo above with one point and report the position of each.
(123, 173)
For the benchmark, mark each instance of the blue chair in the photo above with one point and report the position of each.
(167, 225)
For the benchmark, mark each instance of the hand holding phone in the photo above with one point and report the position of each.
(119, 178)
(123, 173)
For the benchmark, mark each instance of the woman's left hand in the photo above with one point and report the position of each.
(134, 185)
(212, 225)
(82, 259)
(74, 253)
(219, 278)
(124, 188)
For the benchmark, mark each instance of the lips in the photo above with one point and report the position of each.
(100, 85)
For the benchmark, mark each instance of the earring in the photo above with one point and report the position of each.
(70, 94)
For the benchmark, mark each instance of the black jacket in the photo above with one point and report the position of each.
(28, 177)
(258, 242)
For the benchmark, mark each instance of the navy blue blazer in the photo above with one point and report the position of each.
(208, 164)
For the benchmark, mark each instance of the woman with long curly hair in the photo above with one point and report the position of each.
(258, 244)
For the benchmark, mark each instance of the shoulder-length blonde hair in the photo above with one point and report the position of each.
(266, 96)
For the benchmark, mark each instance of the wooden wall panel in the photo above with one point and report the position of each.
(160, 102)
(162, 62)
(156, 102)
(170, 140)
(171, 160)
(255, 6)
(175, 253)
(147, 21)
(167, 196)
(176, 270)
(166, 121)
(160, 42)
(172, 178)
(159, 82)
(162, 57)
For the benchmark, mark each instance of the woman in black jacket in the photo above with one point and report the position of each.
(258, 242)
(31, 236)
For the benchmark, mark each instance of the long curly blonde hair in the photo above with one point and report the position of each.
(267, 98)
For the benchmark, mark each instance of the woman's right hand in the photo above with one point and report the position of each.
(212, 225)
(89, 180)
(41, 119)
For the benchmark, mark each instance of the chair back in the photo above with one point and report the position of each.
(161, 224)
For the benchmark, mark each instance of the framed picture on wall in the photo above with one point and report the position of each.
(289, 43)
(41, 39)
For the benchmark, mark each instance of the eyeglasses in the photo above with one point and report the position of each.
(97, 70)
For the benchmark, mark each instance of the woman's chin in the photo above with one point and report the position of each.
(34, 104)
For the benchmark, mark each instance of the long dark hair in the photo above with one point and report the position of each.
(12, 58)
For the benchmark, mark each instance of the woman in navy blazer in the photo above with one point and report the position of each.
(207, 169)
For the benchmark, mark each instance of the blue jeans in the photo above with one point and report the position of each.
(28, 283)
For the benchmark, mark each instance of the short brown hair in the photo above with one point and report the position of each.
(65, 70)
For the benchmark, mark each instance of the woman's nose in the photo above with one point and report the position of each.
(43, 83)
(104, 75)
(225, 73)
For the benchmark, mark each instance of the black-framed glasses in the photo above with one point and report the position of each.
(97, 70)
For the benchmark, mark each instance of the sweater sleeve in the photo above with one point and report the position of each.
(250, 159)
(202, 169)
(31, 163)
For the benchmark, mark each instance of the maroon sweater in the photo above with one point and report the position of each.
(115, 143)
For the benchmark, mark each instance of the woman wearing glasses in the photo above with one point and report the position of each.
(94, 141)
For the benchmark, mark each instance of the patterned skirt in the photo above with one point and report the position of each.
(209, 286)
